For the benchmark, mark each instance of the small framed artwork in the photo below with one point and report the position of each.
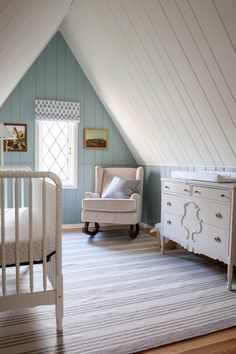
(20, 143)
(96, 138)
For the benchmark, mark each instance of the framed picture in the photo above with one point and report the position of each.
(95, 138)
(20, 143)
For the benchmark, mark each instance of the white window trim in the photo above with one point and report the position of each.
(74, 141)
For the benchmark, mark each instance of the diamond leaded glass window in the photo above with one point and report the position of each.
(56, 149)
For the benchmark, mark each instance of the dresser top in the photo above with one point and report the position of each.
(201, 183)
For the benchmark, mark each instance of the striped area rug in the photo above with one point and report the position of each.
(123, 296)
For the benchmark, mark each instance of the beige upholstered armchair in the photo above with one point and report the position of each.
(117, 199)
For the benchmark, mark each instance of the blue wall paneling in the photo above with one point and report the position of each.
(56, 74)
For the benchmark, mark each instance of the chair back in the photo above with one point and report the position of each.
(104, 176)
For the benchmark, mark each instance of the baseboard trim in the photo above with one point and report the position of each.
(72, 227)
(78, 227)
(145, 226)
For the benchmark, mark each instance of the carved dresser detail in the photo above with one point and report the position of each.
(201, 217)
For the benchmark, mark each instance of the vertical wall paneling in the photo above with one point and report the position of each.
(50, 70)
(98, 123)
(57, 75)
(60, 64)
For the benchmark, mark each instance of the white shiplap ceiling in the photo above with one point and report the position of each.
(166, 72)
(164, 69)
(26, 26)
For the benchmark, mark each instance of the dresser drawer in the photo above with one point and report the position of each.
(215, 214)
(172, 227)
(179, 188)
(212, 242)
(211, 193)
(201, 211)
(172, 204)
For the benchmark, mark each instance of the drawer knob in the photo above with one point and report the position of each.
(217, 239)
(197, 192)
(169, 222)
(222, 195)
(168, 203)
(167, 187)
(219, 215)
(186, 190)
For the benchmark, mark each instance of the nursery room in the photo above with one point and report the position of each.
(117, 176)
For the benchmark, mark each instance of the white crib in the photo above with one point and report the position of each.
(30, 225)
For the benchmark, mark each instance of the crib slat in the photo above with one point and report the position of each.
(6, 192)
(59, 277)
(22, 193)
(3, 237)
(31, 269)
(39, 205)
(44, 235)
(17, 235)
(13, 192)
(58, 223)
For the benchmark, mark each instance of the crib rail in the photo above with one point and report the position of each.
(43, 200)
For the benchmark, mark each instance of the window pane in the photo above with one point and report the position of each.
(57, 148)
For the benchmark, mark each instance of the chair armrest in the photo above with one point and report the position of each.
(136, 197)
(88, 195)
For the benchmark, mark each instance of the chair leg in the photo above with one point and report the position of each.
(89, 232)
(133, 231)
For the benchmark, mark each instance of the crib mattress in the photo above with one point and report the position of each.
(10, 247)
(209, 176)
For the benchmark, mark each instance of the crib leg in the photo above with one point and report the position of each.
(59, 325)
(59, 302)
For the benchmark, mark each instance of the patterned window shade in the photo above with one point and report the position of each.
(57, 110)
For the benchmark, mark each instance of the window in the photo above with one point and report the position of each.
(56, 149)
(56, 133)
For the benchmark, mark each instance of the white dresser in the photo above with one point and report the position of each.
(201, 217)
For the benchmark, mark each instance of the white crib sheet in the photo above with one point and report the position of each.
(24, 238)
(209, 176)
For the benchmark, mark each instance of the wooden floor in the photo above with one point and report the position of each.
(222, 342)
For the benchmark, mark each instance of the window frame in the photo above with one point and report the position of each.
(74, 149)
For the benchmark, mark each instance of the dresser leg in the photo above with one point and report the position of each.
(162, 244)
(229, 276)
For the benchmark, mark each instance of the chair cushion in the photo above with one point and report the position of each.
(121, 188)
(109, 205)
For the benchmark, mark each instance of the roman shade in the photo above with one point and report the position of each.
(57, 110)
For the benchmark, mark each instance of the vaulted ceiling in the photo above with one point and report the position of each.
(26, 26)
(164, 69)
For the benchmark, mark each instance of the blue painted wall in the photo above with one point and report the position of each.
(57, 75)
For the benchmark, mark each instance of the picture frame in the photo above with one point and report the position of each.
(20, 143)
(96, 138)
